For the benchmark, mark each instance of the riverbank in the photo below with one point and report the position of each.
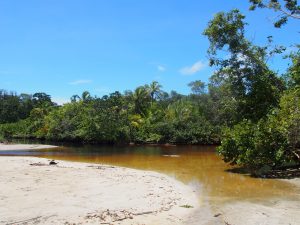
(25, 147)
(34, 192)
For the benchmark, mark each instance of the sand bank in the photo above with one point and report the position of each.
(20, 147)
(34, 192)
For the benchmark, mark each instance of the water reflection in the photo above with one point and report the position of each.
(199, 166)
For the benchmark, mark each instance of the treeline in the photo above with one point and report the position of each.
(145, 115)
(15, 107)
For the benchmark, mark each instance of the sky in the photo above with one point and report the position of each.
(64, 47)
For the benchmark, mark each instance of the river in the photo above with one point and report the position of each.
(198, 166)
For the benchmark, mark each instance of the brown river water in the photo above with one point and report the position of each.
(198, 166)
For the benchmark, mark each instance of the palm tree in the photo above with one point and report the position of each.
(86, 96)
(155, 90)
(141, 100)
(74, 98)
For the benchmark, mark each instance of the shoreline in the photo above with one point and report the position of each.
(82, 193)
(24, 147)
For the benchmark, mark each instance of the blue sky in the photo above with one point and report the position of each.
(63, 47)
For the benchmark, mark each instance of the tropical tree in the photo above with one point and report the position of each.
(141, 99)
(42, 100)
(254, 87)
(197, 87)
(155, 90)
(86, 96)
(75, 98)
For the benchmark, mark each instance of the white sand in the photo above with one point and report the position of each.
(19, 147)
(81, 193)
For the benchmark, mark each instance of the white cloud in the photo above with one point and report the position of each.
(190, 70)
(78, 82)
(60, 101)
(161, 68)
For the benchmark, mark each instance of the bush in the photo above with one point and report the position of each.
(256, 145)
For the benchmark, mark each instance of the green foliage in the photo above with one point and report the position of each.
(254, 145)
(42, 100)
(197, 87)
(251, 86)
(262, 120)
(15, 107)
(11, 130)
(147, 115)
(289, 119)
(287, 9)
(272, 141)
(293, 73)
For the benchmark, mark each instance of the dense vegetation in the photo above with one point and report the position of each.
(146, 115)
(247, 107)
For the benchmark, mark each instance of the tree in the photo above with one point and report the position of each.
(289, 119)
(197, 87)
(86, 96)
(155, 90)
(141, 99)
(287, 9)
(255, 88)
(42, 100)
(26, 105)
(75, 98)
(9, 107)
(293, 73)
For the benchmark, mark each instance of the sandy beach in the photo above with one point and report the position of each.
(25, 147)
(34, 192)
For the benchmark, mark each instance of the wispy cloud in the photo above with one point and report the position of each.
(196, 67)
(78, 82)
(161, 68)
